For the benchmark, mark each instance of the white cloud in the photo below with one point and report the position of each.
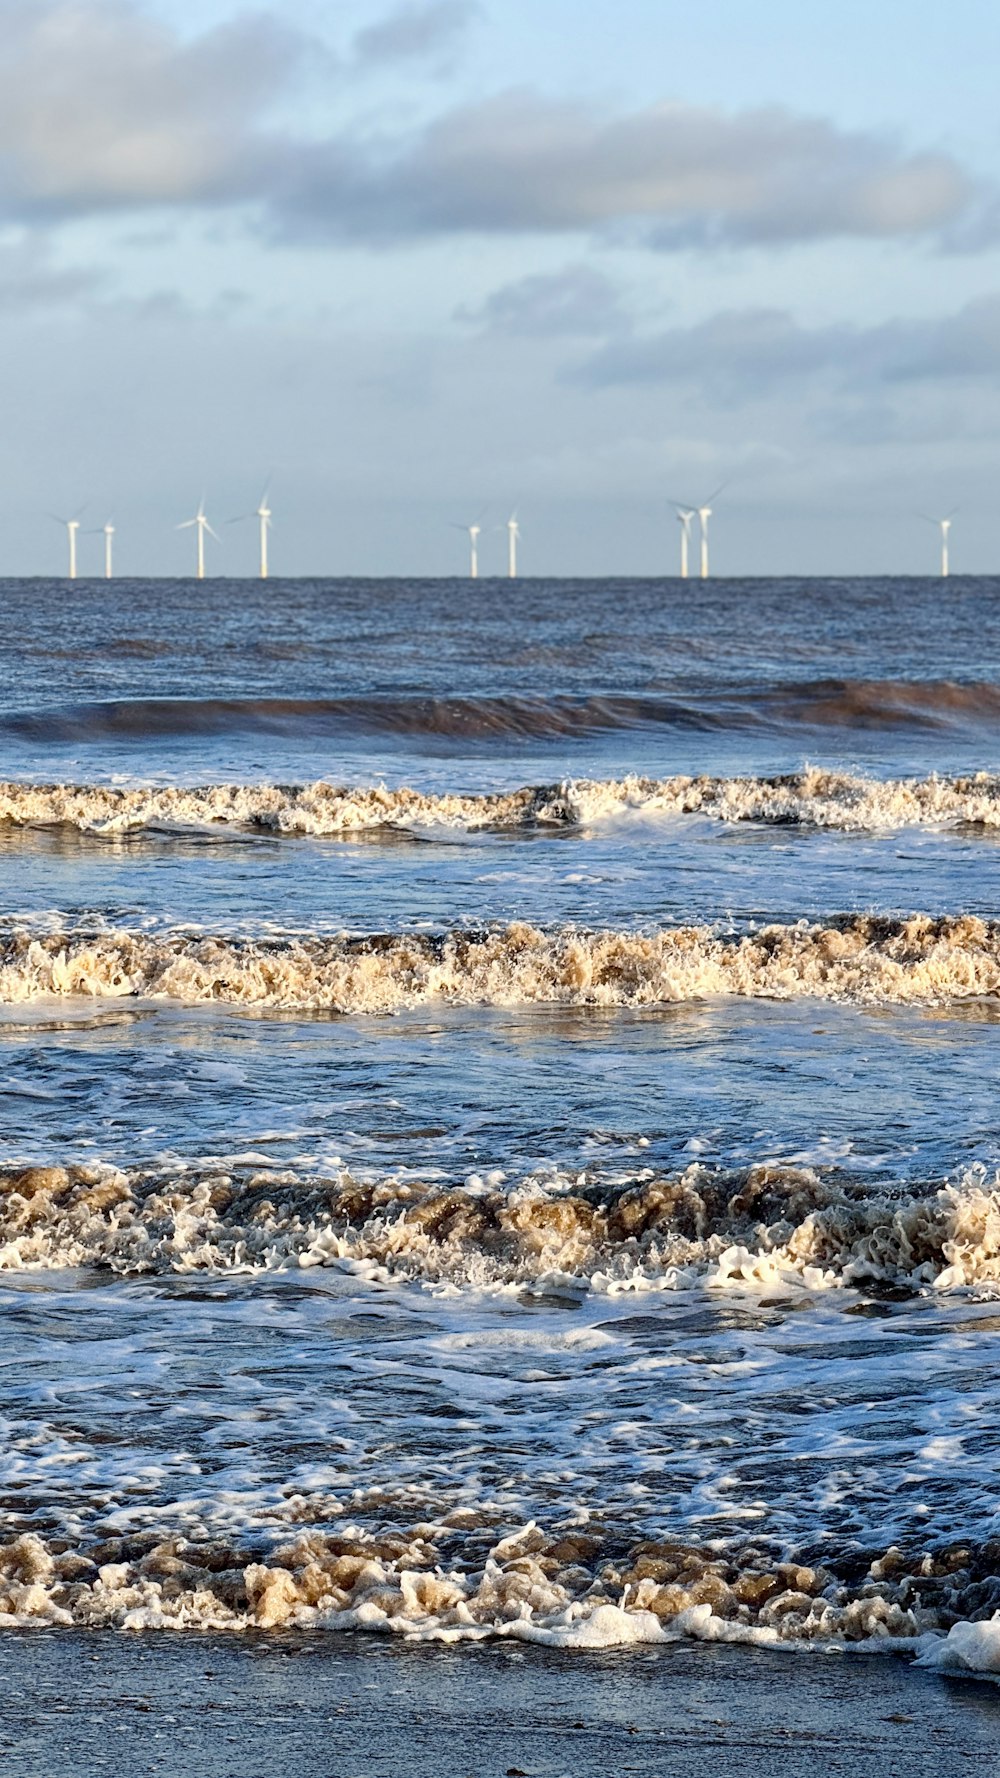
(101, 107)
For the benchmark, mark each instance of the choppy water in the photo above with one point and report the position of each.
(499, 1109)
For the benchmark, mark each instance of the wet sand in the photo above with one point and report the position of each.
(359, 1708)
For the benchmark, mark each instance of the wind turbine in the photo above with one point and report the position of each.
(945, 528)
(513, 536)
(72, 527)
(701, 514)
(685, 514)
(473, 533)
(203, 525)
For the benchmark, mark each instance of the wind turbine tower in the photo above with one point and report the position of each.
(202, 524)
(264, 519)
(944, 526)
(513, 535)
(685, 515)
(109, 536)
(473, 533)
(704, 514)
(72, 527)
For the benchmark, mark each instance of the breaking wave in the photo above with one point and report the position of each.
(753, 1227)
(864, 959)
(438, 1568)
(919, 705)
(814, 797)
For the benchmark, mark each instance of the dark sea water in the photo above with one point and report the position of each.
(500, 1126)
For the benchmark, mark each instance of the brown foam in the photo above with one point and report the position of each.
(752, 1226)
(568, 1588)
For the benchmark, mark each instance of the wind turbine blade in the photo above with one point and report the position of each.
(186, 526)
(212, 533)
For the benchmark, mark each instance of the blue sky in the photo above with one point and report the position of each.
(419, 263)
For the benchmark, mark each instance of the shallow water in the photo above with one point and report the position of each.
(499, 1123)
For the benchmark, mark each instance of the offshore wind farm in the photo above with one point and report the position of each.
(263, 517)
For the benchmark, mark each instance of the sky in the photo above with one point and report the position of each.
(414, 266)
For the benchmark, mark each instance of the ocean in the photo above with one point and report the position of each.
(500, 1136)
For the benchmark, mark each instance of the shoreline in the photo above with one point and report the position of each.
(364, 1708)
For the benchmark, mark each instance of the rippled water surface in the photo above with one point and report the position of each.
(499, 1100)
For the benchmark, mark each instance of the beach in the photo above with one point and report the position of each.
(369, 1710)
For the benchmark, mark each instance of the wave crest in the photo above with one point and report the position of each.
(863, 959)
(917, 705)
(756, 1227)
(814, 797)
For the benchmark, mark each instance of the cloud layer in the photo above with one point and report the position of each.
(101, 109)
(681, 175)
(741, 353)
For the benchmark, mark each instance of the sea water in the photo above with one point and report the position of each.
(499, 1124)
